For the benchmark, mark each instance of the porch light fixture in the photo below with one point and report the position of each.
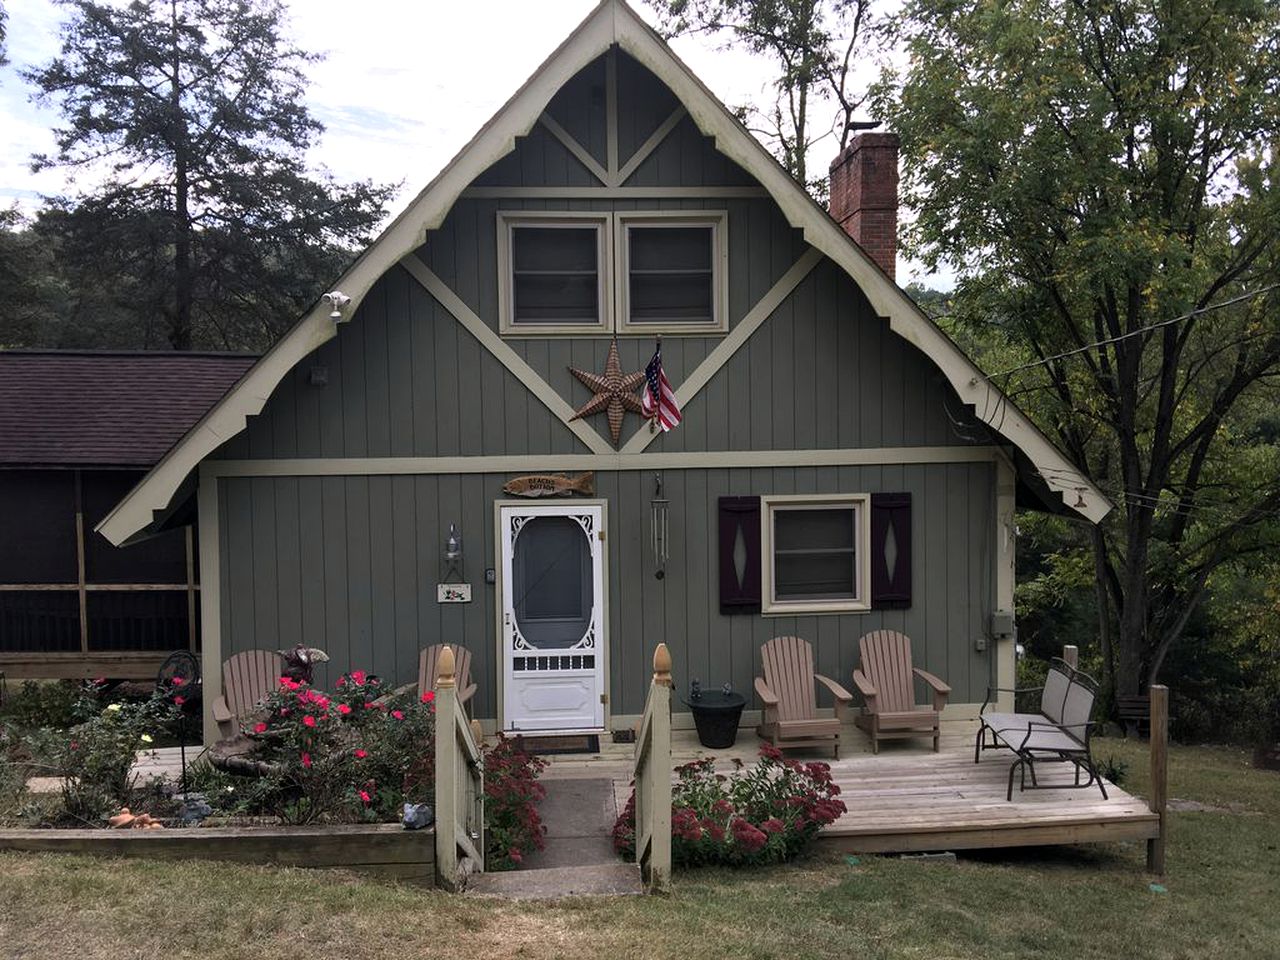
(452, 556)
(338, 301)
(659, 522)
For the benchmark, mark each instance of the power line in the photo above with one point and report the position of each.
(1132, 333)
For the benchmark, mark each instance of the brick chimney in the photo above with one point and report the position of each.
(864, 195)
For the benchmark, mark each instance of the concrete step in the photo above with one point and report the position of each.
(615, 879)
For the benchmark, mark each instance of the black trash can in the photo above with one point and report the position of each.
(716, 716)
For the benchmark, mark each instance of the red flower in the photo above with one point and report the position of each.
(397, 714)
(361, 754)
(773, 825)
(75, 745)
(515, 855)
(306, 761)
(179, 701)
(357, 677)
(259, 727)
(343, 709)
(428, 696)
(364, 795)
(308, 721)
(177, 681)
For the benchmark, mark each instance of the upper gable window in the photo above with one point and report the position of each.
(674, 270)
(554, 271)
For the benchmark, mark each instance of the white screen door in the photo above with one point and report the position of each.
(552, 626)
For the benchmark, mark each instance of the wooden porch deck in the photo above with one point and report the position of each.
(905, 799)
(909, 799)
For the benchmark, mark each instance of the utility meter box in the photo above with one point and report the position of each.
(1002, 624)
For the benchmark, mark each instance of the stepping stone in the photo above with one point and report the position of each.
(615, 879)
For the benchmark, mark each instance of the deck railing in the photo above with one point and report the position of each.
(653, 779)
(459, 783)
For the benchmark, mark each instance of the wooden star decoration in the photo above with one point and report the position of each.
(615, 392)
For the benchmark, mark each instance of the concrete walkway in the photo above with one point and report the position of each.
(578, 859)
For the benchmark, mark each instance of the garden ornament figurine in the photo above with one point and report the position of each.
(300, 661)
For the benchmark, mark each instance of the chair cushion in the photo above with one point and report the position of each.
(1012, 729)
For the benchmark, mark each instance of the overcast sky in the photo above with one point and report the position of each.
(402, 88)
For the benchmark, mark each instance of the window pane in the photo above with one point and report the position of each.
(814, 576)
(815, 556)
(551, 569)
(813, 529)
(554, 248)
(555, 274)
(671, 274)
(556, 298)
(670, 248)
(671, 297)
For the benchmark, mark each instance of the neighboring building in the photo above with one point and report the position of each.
(77, 431)
(842, 466)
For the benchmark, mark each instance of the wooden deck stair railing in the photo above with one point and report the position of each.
(653, 779)
(459, 783)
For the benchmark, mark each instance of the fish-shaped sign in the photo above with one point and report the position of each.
(551, 485)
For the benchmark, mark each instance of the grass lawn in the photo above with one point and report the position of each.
(1222, 900)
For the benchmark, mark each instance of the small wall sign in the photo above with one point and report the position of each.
(453, 593)
(551, 485)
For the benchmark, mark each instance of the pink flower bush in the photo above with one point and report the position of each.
(766, 813)
(344, 756)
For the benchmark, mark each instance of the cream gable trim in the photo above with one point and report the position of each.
(578, 150)
(504, 354)
(612, 21)
(727, 347)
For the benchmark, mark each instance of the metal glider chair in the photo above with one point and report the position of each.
(1059, 733)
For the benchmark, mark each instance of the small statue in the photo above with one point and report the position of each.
(727, 689)
(695, 690)
(417, 816)
(300, 661)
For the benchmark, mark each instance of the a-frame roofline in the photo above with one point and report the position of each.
(611, 22)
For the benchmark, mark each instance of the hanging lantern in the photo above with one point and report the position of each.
(659, 523)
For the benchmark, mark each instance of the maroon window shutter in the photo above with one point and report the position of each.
(890, 551)
(739, 554)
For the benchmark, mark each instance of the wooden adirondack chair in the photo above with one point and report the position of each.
(886, 680)
(246, 679)
(427, 662)
(790, 698)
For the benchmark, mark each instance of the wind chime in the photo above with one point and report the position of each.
(659, 522)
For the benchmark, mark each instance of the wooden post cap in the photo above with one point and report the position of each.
(662, 665)
(477, 734)
(445, 668)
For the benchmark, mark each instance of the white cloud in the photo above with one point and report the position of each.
(402, 87)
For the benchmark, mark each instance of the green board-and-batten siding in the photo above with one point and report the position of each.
(350, 564)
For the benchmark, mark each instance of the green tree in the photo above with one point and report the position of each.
(1101, 173)
(813, 44)
(4, 32)
(187, 117)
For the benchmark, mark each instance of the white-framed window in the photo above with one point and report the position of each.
(553, 271)
(814, 553)
(673, 271)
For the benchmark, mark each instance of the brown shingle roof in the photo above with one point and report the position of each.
(105, 408)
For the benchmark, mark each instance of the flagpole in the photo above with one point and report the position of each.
(653, 417)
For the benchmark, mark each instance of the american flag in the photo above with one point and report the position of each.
(659, 399)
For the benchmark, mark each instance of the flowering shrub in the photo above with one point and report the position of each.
(94, 758)
(511, 793)
(353, 754)
(764, 814)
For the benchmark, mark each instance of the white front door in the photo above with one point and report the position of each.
(552, 629)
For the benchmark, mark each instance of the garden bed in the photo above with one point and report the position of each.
(381, 850)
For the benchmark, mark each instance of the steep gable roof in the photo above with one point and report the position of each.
(611, 22)
(105, 409)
